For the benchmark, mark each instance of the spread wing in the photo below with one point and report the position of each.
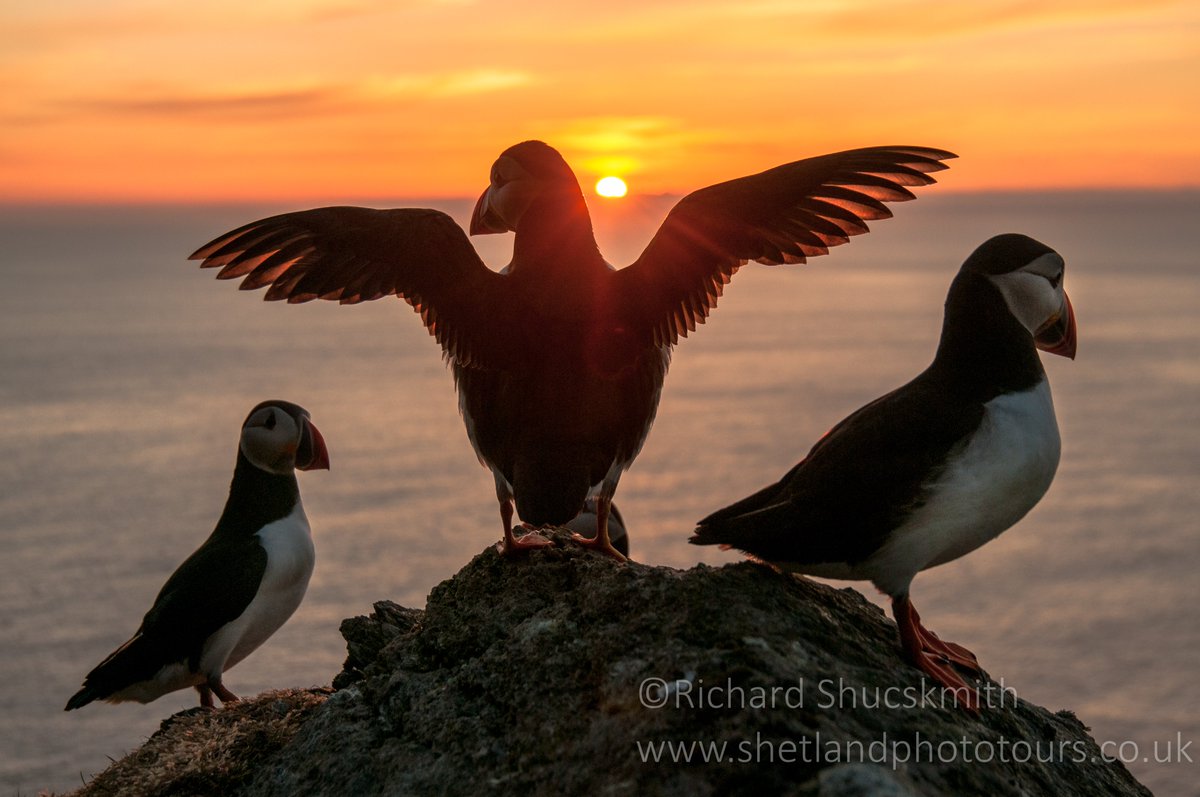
(352, 255)
(783, 215)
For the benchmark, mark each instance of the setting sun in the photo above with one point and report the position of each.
(611, 187)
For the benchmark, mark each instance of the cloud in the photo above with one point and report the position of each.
(625, 144)
(620, 133)
(826, 25)
(329, 10)
(48, 23)
(450, 84)
(253, 104)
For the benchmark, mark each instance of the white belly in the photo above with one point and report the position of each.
(290, 559)
(168, 679)
(991, 484)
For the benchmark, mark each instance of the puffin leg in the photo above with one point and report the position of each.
(915, 642)
(601, 541)
(222, 692)
(206, 697)
(511, 544)
(952, 653)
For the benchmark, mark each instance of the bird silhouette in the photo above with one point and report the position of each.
(237, 588)
(934, 469)
(559, 360)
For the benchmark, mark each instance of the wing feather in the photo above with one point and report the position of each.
(783, 215)
(352, 255)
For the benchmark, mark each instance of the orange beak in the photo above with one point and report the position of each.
(483, 220)
(1057, 336)
(311, 454)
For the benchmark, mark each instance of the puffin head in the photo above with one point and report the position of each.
(279, 437)
(523, 173)
(1029, 275)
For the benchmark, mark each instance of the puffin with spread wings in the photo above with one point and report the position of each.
(559, 359)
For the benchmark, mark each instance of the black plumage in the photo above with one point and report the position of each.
(560, 359)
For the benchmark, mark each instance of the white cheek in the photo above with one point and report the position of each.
(268, 448)
(1030, 297)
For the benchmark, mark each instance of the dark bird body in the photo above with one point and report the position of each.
(575, 407)
(933, 469)
(559, 360)
(236, 589)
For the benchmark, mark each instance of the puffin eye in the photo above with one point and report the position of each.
(1055, 280)
(270, 422)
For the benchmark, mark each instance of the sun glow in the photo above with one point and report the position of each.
(612, 187)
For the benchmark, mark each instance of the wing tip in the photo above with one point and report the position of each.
(933, 153)
(208, 249)
(80, 699)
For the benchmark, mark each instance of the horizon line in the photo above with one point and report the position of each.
(336, 199)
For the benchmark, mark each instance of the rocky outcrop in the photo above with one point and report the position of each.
(206, 752)
(564, 672)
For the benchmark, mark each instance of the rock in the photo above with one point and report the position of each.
(565, 672)
(205, 752)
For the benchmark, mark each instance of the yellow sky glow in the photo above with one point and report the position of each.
(142, 100)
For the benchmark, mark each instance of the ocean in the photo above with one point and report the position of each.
(126, 372)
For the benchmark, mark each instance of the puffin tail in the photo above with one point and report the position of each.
(137, 660)
(81, 698)
(726, 526)
(751, 524)
(703, 535)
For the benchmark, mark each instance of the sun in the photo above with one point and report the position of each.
(611, 187)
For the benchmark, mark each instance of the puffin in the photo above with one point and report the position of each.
(935, 468)
(239, 587)
(559, 359)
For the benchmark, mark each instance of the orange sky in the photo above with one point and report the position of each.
(321, 99)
